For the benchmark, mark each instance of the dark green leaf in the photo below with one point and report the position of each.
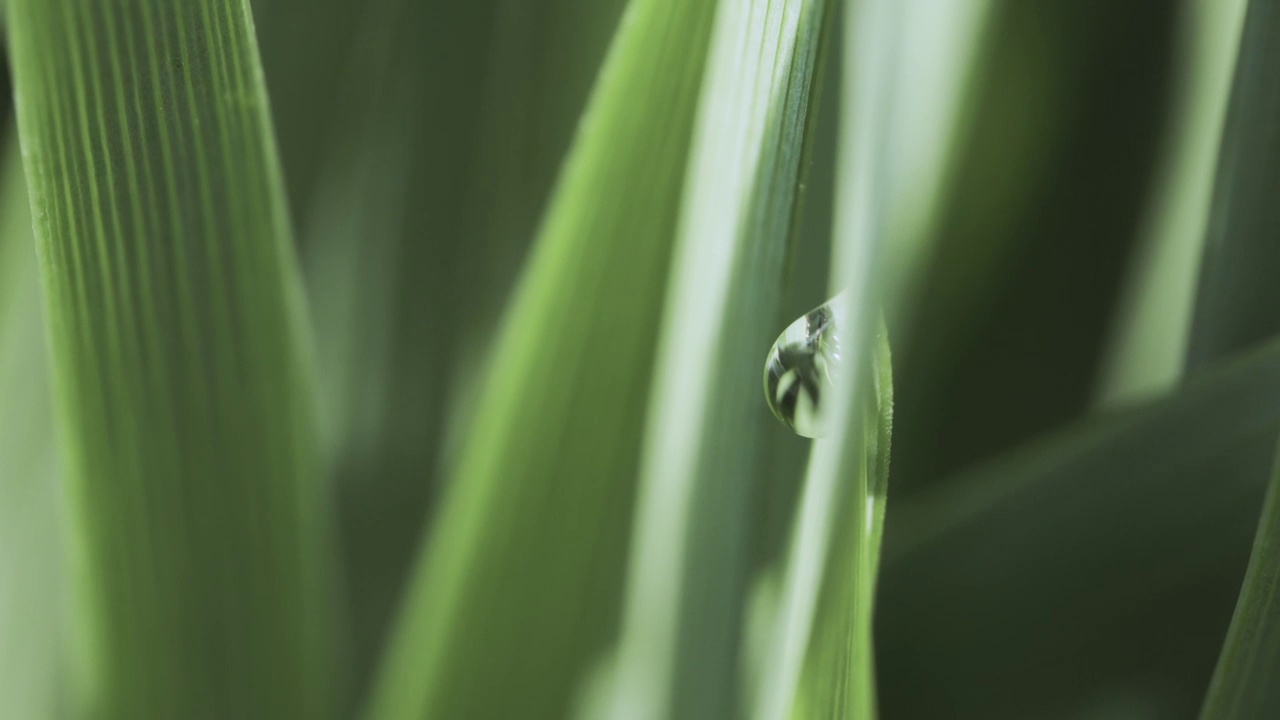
(1102, 559)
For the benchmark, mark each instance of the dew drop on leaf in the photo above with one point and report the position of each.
(801, 368)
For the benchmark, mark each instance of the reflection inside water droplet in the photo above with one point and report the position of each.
(801, 368)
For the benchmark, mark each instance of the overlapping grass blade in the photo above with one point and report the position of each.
(837, 479)
(519, 578)
(836, 678)
(701, 468)
(1153, 322)
(542, 60)
(1046, 189)
(182, 386)
(420, 142)
(1246, 683)
(938, 61)
(1102, 555)
(1238, 306)
(894, 150)
(31, 578)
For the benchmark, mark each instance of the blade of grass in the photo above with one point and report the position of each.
(31, 589)
(417, 189)
(836, 679)
(700, 469)
(938, 59)
(907, 66)
(502, 596)
(1153, 325)
(181, 383)
(837, 479)
(1238, 306)
(542, 60)
(1066, 110)
(1246, 683)
(1238, 302)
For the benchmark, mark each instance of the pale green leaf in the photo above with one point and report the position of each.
(836, 678)
(31, 578)
(1153, 322)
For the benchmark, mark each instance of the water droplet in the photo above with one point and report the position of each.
(801, 368)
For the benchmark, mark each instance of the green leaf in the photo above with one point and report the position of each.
(1246, 683)
(1102, 557)
(1238, 303)
(183, 399)
(31, 578)
(837, 479)
(1046, 187)
(836, 680)
(542, 60)
(1238, 306)
(1153, 323)
(420, 142)
(519, 579)
(894, 149)
(701, 468)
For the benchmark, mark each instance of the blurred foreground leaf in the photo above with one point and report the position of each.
(1047, 184)
(1238, 302)
(31, 567)
(520, 577)
(1153, 323)
(199, 530)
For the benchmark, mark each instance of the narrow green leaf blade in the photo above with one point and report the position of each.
(1238, 303)
(1246, 683)
(518, 582)
(837, 479)
(906, 68)
(836, 678)
(1239, 306)
(701, 471)
(1153, 324)
(182, 388)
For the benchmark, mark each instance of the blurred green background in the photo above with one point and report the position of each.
(1047, 554)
